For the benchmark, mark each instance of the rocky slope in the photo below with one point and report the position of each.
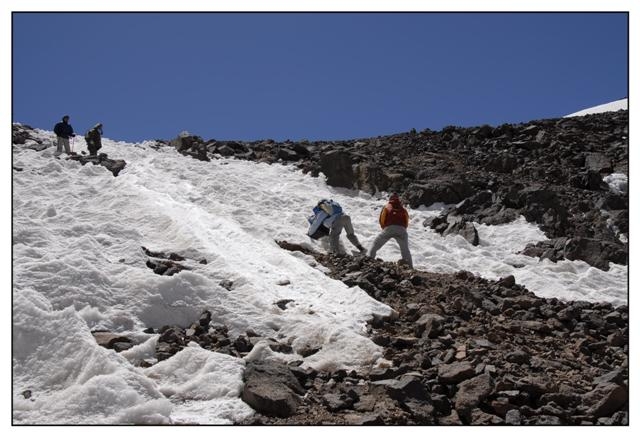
(550, 171)
(460, 350)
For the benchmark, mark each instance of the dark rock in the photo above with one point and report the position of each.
(536, 385)
(382, 373)
(455, 372)
(595, 252)
(287, 154)
(598, 162)
(337, 167)
(591, 180)
(605, 399)
(337, 402)
(271, 389)
(452, 419)
(616, 339)
(420, 410)
(465, 229)
(615, 376)
(365, 419)
(172, 335)
(205, 319)
(507, 281)
(371, 178)
(282, 303)
(113, 165)
(518, 356)
(429, 325)
(109, 340)
(473, 391)
(401, 389)
(479, 417)
(226, 283)
(544, 420)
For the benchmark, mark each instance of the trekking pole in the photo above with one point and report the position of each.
(73, 141)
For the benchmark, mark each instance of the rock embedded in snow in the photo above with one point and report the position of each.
(113, 165)
(464, 229)
(110, 340)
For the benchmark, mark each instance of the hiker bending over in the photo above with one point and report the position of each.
(394, 220)
(94, 139)
(329, 219)
(63, 130)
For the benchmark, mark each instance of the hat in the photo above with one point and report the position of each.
(394, 196)
(98, 125)
(66, 116)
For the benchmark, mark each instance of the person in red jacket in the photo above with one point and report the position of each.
(394, 220)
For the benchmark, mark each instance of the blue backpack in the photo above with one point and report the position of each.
(323, 216)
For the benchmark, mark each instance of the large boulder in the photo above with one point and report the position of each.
(597, 253)
(337, 167)
(371, 178)
(271, 388)
(446, 190)
(605, 399)
(598, 162)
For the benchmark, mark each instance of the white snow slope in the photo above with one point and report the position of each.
(78, 267)
(607, 107)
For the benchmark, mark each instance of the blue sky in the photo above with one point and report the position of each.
(310, 76)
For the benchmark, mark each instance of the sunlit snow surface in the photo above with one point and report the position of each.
(78, 266)
(618, 182)
(607, 107)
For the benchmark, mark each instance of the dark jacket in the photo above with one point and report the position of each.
(63, 130)
(93, 138)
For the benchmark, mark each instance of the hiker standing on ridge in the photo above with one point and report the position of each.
(329, 219)
(394, 220)
(94, 139)
(63, 130)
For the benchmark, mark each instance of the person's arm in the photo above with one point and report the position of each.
(317, 222)
(383, 217)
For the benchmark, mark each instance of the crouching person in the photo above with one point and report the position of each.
(394, 220)
(328, 219)
(94, 139)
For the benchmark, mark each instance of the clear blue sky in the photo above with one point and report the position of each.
(310, 76)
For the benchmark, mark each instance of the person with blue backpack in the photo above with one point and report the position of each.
(328, 219)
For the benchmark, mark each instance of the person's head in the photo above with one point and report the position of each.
(65, 119)
(394, 199)
(98, 126)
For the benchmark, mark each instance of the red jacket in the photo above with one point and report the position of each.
(394, 214)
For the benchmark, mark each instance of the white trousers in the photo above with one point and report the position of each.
(397, 232)
(63, 142)
(344, 221)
